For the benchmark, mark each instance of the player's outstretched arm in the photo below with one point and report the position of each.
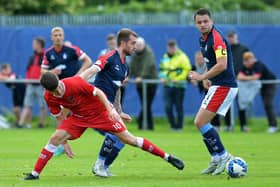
(89, 72)
(109, 107)
(86, 64)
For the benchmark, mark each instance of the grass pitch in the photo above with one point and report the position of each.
(20, 147)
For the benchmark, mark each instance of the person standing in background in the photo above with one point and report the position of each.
(143, 66)
(174, 68)
(237, 50)
(64, 60)
(18, 90)
(34, 90)
(254, 69)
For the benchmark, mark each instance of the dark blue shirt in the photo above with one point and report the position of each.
(113, 72)
(66, 59)
(213, 46)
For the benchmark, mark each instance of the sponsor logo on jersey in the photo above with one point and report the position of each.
(64, 56)
(117, 67)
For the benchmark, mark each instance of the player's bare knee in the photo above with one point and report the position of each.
(56, 139)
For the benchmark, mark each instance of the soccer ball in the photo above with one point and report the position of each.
(236, 167)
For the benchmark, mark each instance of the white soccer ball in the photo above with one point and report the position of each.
(236, 167)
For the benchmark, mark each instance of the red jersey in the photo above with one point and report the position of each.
(78, 97)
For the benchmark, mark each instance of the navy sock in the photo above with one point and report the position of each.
(212, 140)
(118, 145)
(106, 148)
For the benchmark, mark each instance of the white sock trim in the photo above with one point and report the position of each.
(34, 173)
(139, 141)
(51, 148)
(166, 155)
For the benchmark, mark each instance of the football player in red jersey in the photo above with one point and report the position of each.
(89, 109)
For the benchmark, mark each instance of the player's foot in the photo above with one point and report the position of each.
(222, 164)
(59, 150)
(29, 176)
(210, 169)
(99, 170)
(245, 129)
(176, 162)
(109, 173)
(272, 130)
(18, 126)
(40, 126)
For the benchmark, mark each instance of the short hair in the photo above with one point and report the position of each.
(248, 55)
(57, 29)
(49, 81)
(5, 66)
(202, 12)
(111, 37)
(124, 34)
(171, 43)
(231, 33)
(41, 41)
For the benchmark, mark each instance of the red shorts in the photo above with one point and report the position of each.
(77, 125)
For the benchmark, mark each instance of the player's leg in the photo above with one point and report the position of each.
(217, 100)
(179, 103)
(59, 137)
(43, 106)
(127, 138)
(108, 153)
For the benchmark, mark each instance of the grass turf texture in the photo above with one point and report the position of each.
(20, 148)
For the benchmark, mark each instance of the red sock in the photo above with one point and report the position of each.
(42, 160)
(149, 147)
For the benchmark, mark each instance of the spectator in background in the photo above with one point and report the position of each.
(143, 66)
(64, 60)
(174, 68)
(18, 90)
(237, 50)
(34, 90)
(111, 43)
(254, 69)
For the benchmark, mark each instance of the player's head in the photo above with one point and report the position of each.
(57, 36)
(199, 60)
(68, 43)
(232, 37)
(111, 42)
(203, 20)
(171, 47)
(6, 69)
(38, 44)
(126, 40)
(249, 59)
(49, 81)
(140, 44)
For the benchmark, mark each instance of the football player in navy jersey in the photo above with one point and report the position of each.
(111, 71)
(220, 79)
(64, 60)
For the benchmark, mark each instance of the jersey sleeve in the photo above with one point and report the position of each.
(55, 109)
(219, 46)
(45, 63)
(103, 60)
(80, 53)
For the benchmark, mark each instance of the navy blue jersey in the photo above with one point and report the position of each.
(213, 46)
(66, 59)
(113, 72)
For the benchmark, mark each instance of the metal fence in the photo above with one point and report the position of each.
(144, 82)
(180, 18)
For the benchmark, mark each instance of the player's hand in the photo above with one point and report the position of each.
(138, 80)
(125, 117)
(56, 71)
(206, 84)
(114, 116)
(195, 76)
(68, 151)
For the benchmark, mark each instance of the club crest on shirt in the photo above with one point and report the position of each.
(117, 67)
(52, 57)
(64, 56)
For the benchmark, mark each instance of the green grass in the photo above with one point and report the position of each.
(19, 150)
